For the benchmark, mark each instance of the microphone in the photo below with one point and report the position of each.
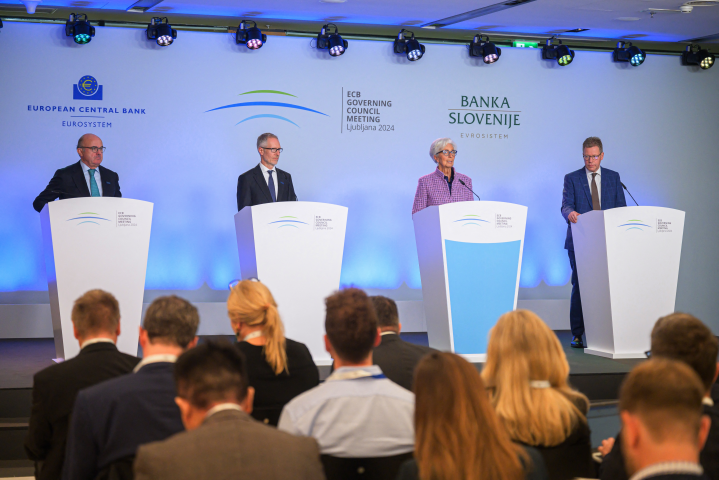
(630, 193)
(460, 181)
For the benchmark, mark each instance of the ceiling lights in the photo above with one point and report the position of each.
(561, 53)
(161, 31)
(79, 28)
(410, 46)
(484, 48)
(252, 37)
(634, 55)
(695, 55)
(331, 41)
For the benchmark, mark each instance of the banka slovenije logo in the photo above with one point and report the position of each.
(267, 106)
(87, 89)
(481, 116)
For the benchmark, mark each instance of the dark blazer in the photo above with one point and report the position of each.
(398, 358)
(252, 188)
(70, 182)
(113, 418)
(53, 395)
(230, 445)
(577, 196)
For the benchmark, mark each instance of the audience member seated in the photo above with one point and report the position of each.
(357, 412)
(96, 325)
(278, 368)
(393, 355)
(682, 337)
(223, 442)
(663, 429)
(111, 419)
(458, 436)
(527, 371)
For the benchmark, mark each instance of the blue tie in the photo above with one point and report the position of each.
(94, 191)
(271, 184)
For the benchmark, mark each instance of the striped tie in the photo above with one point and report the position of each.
(94, 191)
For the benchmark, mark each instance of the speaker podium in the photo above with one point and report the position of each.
(628, 268)
(295, 248)
(470, 257)
(96, 242)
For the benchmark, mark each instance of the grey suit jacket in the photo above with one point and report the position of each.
(230, 445)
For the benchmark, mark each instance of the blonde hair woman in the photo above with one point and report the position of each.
(526, 372)
(278, 368)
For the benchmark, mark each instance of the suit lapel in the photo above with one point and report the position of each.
(605, 191)
(79, 178)
(585, 184)
(281, 186)
(107, 188)
(260, 179)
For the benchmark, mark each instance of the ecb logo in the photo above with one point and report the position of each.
(87, 89)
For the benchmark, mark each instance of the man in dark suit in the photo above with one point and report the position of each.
(86, 178)
(265, 183)
(222, 440)
(111, 419)
(589, 188)
(394, 356)
(96, 323)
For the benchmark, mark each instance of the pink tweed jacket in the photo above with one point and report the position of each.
(432, 189)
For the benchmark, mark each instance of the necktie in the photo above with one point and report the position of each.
(595, 194)
(94, 191)
(271, 184)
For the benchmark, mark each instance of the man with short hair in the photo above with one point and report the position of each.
(357, 412)
(265, 183)
(112, 419)
(96, 325)
(223, 441)
(589, 188)
(394, 356)
(663, 429)
(86, 178)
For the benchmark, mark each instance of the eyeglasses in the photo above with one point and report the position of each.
(273, 150)
(95, 149)
(593, 157)
(447, 153)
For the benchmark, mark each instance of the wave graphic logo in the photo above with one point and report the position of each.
(288, 221)
(634, 225)
(471, 221)
(88, 217)
(290, 106)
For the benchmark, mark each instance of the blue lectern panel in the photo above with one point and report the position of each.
(482, 281)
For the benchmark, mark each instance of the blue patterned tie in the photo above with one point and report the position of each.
(94, 191)
(271, 184)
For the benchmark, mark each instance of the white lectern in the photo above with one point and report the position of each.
(295, 248)
(628, 268)
(89, 243)
(470, 256)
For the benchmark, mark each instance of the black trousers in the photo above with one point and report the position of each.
(576, 319)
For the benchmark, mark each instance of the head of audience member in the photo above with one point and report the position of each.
(527, 372)
(96, 314)
(387, 314)
(252, 308)
(660, 405)
(457, 432)
(683, 337)
(85, 144)
(170, 326)
(265, 144)
(211, 374)
(351, 330)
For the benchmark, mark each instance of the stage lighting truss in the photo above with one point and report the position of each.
(482, 47)
(331, 41)
(695, 55)
(161, 31)
(79, 28)
(409, 46)
(634, 55)
(252, 36)
(561, 53)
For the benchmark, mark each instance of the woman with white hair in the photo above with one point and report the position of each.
(444, 185)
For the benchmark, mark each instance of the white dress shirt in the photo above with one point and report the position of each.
(93, 341)
(86, 172)
(267, 177)
(598, 179)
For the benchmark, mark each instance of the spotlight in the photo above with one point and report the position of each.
(81, 30)
(411, 47)
(561, 53)
(634, 55)
(489, 52)
(331, 41)
(695, 55)
(252, 37)
(163, 33)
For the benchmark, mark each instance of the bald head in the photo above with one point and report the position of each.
(84, 149)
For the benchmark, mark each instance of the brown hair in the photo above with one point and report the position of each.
(171, 319)
(252, 303)
(386, 310)
(351, 324)
(593, 142)
(96, 311)
(457, 434)
(681, 336)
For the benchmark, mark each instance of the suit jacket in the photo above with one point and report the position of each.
(577, 196)
(252, 188)
(70, 182)
(111, 419)
(53, 395)
(230, 445)
(398, 358)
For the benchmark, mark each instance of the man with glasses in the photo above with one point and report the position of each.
(86, 178)
(589, 188)
(265, 183)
